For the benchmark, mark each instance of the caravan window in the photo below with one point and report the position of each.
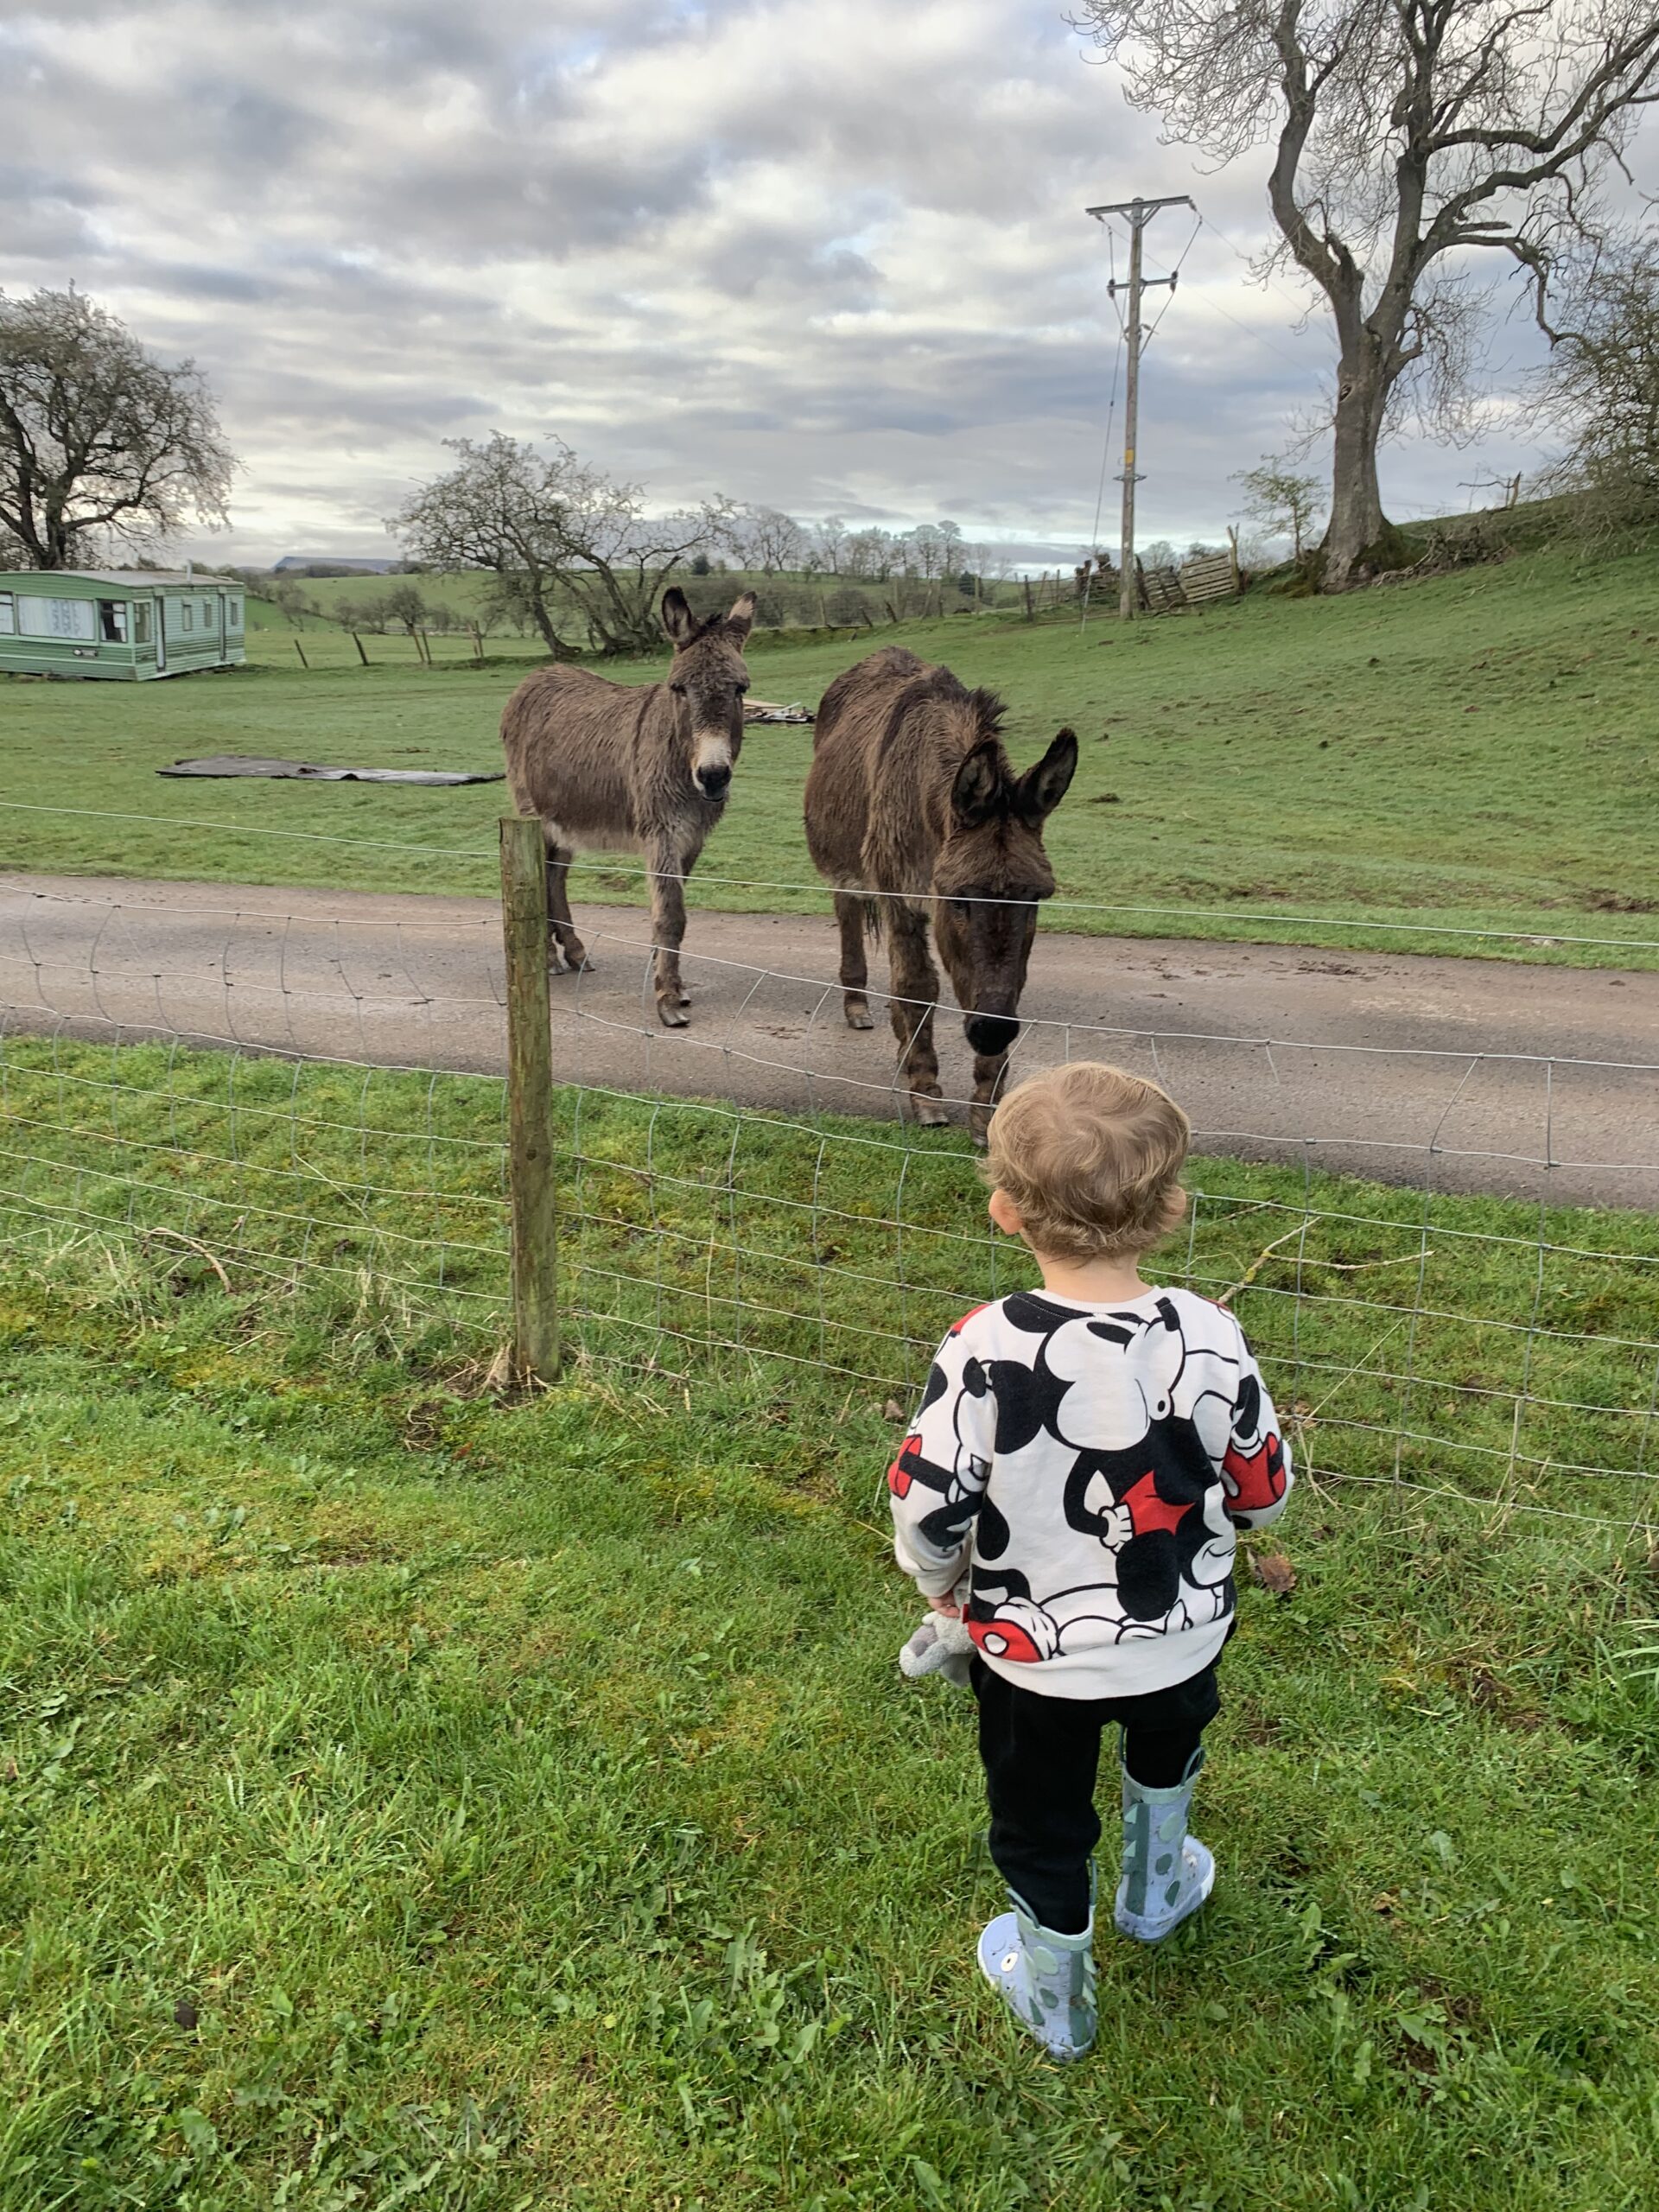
(8, 615)
(188, 613)
(112, 621)
(206, 614)
(233, 613)
(56, 618)
(141, 621)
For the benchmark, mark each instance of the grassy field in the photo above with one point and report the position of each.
(417, 1798)
(785, 600)
(1477, 752)
(463, 596)
(694, 1234)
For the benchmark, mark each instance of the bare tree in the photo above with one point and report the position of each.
(869, 554)
(499, 508)
(405, 604)
(290, 601)
(1406, 134)
(551, 528)
(918, 551)
(767, 539)
(100, 443)
(1600, 391)
(829, 540)
(1283, 502)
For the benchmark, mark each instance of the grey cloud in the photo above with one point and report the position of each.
(190, 280)
(244, 128)
(796, 250)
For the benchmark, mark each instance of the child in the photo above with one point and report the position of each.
(1082, 1459)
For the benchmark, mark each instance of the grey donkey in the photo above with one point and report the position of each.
(614, 767)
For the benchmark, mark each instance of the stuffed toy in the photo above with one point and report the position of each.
(940, 1646)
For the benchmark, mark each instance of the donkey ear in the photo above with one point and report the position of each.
(978, 786)
(1041, 790)
(677, 619)
(741, 618)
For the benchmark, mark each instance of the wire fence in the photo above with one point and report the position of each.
(1447, 1257)
(1633, 944)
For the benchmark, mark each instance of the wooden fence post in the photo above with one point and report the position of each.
(361, 655)
(529, 1103)
(300, 649)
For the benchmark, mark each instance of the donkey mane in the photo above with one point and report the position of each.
(938, 687)
(935, 687)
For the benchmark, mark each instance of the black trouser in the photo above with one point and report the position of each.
(1040, 1756)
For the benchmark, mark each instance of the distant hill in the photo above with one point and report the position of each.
(333, 564)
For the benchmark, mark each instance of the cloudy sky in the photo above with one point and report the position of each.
(825, 254)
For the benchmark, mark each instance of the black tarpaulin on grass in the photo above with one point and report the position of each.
(247, 764)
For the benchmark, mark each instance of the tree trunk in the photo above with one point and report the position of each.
(1359, 539)
(536, 590)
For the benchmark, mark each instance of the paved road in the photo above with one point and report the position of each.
(1479, 1075)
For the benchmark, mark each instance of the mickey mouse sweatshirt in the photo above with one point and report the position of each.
(1093, 1464)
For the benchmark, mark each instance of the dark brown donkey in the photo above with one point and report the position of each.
(911, 796)
(611, 767)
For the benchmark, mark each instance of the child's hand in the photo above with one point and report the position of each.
(948, 1606)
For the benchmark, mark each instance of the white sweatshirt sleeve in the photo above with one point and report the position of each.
(937, 1480)
(1255, 1470)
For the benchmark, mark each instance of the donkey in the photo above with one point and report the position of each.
(911, 795)
(613, 767)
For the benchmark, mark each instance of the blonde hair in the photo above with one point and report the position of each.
(1091, 1156)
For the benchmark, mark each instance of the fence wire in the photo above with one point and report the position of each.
(1446, 1258)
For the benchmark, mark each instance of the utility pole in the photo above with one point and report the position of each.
(1140, 212)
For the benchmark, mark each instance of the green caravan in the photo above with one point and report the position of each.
(127, 623)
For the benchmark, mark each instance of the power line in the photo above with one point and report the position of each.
(1105, 461)
(1173, 275)
(1302, 306)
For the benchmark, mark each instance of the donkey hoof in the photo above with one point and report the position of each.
(684, 999)
(930, 1109)
(673, 1015)
(858, 1015)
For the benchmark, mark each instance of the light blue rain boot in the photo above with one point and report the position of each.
(1046, 1980)
(1168, 1874)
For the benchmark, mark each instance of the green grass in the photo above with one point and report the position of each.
(1477, 752)
(463, 596)
(695, 1237)
(418, 1798)
(785, 600)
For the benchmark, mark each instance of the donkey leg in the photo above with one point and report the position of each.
(567, 947)
(854, 973)
(990, 1078)
(667, 931)
(915, 993)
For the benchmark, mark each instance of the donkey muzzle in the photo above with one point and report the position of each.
(991, 1033)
